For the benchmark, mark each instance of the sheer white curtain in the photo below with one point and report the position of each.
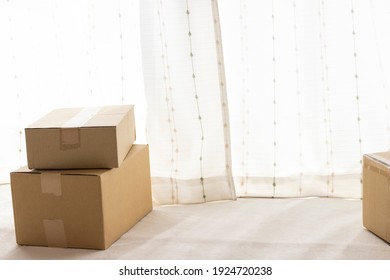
(307, 88)
(187, 125)
(310, 81)
(244, 98)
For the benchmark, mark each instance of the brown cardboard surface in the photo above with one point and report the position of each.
(81, 138)
(376, 194)
(93, 208)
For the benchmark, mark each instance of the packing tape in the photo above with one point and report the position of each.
(70, 138)
(81, 117)
(381, 172)
(55, 233)
(51, 183)
(70, 130)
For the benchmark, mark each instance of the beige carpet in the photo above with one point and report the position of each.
(254, 228)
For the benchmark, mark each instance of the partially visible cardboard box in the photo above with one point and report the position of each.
(95, 137)
(81, 208)
(376, 194)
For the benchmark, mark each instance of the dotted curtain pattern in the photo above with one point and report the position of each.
(187, 122)
(247, 98)
(307, 88)
(309, 80)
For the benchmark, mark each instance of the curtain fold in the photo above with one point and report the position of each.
(187, 122)
(306, 84)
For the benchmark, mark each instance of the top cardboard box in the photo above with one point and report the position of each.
(74, 138)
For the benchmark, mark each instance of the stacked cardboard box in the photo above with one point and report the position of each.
(86, 185)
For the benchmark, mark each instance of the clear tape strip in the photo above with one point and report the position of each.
(55, 233)
(81, 117)
(51, 183)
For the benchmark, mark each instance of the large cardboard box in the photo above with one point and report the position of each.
(376, 194)
(81, 208)
(93, 137)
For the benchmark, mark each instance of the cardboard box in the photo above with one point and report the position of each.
(96, 137)
(376, 194)
(81, 208)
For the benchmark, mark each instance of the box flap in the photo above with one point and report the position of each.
(383, 158)
(77, 172)
(82, 117)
